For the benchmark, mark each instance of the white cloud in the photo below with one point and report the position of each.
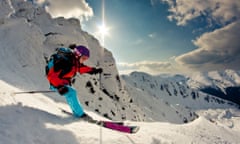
(152, 67)
(221, 11)
(216, 50)
(71, 8)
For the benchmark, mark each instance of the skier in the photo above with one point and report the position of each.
(61, 69)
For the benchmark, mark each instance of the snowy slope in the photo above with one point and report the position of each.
(220, 79)
(27, 119)
(28, 34)
(173, 90)
(223, 84)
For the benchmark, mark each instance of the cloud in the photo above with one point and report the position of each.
(217, 50)
(220, 11)
(71, 8)
(152, 67)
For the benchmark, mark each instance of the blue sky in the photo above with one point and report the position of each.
(141, 29)
(162, 36)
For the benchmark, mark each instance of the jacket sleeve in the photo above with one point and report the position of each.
(84, 69)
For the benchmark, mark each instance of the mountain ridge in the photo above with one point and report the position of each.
(173, 111)
(28, 33)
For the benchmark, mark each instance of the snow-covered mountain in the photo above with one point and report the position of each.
(223, 84)
(28, 119)
(28, 34)
(185, 86)
(174, 91)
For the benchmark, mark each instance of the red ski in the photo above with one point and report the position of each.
(117, 126)
(120, 127)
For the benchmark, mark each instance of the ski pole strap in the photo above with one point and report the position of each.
(33, 92)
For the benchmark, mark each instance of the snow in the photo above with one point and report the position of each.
(37, 119)
(221, 79)
(170, 94)
(30, 34)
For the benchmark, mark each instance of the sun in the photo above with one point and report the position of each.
(103, 31)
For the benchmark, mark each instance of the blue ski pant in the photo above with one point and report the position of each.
(72, 100)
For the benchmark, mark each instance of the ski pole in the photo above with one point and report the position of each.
(33, 92)
(100, 131)
(100, 83)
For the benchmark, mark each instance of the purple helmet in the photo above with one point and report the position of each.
(82, 51)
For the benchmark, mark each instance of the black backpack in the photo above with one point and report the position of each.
(63, 60)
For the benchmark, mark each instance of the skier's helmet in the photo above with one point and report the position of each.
(82, 51)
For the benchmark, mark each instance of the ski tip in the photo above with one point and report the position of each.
(135, 129)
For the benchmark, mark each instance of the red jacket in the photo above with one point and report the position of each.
(55, 80)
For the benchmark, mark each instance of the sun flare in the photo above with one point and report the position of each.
(103, 31)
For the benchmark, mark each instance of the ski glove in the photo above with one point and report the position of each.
(96, 71)
(62, 90)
